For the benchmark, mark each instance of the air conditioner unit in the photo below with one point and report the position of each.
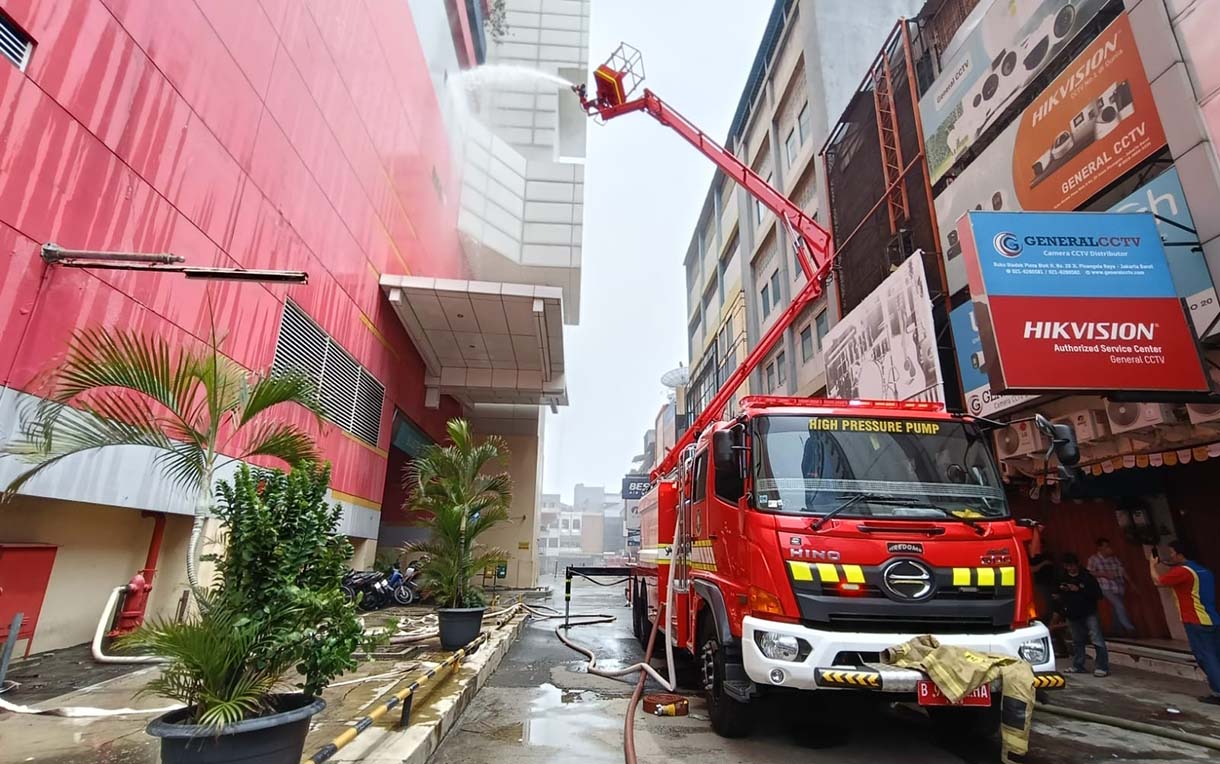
(1020, 439)
(1089, 424)
(1200, 413)
(1125, 416)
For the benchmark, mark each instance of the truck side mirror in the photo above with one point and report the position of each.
(1063, 440)
(724, 452)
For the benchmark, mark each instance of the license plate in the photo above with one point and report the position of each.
(930, 695)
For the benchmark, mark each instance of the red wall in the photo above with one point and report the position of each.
(1075, 526)
(292, 134)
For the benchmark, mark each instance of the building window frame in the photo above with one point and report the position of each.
(781, 374)
(766, 300)
(806, 343)
(822, 324)
(803, 125)
(771, 377)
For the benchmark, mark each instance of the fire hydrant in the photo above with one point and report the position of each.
(135, 600)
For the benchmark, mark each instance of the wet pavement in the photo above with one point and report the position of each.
(541, 707)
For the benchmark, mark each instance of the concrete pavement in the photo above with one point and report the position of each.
(540, 707)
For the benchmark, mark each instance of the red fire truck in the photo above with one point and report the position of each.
(788, 546)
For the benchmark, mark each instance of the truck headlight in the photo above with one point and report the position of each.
(778, 647)
(1035, 651)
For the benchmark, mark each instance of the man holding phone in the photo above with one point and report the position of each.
(1194, 587)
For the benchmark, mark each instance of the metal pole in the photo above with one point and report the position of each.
(567, 597)
(7, 654)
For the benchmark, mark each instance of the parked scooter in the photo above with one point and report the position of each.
(367, 588)
(405, 584)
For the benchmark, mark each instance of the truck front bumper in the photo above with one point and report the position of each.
(823, 667)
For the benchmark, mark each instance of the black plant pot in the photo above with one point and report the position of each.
(278, 738)
(459, 625)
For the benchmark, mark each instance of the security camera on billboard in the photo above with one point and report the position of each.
(1085, 130)
(1011, 43)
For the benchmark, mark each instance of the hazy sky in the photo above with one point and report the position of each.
(644, 187)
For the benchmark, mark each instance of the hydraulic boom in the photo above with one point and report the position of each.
(616, 80)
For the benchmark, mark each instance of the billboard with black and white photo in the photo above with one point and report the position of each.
(885, 349)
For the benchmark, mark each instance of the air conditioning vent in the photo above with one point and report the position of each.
(1020, 439)
(1201, 413)
(1126, 416)
(347, 394)
(15, 44)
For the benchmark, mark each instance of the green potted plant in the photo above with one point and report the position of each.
(276, 618)
(454, 494)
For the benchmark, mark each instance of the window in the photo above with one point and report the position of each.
(700, 488)
(796, 265)
(806, 344)
(791, 145)
(771, 377)
(15, 45)
(802, 124)
(347, 394)
(563, 524)
(775, 293)
(575, 523)
(766, 300)
(823, 325)
(781, 366)
(759, 209)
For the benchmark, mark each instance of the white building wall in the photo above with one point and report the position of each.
(523, 176)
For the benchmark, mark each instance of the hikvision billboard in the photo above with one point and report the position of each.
(1011, 43)
(972, 361)
(1085, 130)
(885, 348)
(1079, 301)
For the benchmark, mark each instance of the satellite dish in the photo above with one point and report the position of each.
(675, 378)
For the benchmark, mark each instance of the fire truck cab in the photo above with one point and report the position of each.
(805, 536)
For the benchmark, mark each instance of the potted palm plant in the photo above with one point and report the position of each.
(452, 491)
(195, 406)
(276, 618)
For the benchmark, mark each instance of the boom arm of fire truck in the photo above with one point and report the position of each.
(615, 81)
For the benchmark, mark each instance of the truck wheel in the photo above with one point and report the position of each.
(639, 617)
(730, 717)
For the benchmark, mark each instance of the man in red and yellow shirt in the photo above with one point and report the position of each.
(1195, 589)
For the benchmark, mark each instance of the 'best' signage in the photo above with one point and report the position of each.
(1077, 301)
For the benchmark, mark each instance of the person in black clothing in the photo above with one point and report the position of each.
(1046, 584)
(1077, 596)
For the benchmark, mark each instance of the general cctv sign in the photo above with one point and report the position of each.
(1077, 301)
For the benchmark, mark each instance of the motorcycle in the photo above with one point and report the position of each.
(404, 584)
(369, 589)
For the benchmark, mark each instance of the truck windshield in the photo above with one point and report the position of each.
(899, 468)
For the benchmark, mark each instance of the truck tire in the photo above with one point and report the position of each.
(729, 716)
(639, 616)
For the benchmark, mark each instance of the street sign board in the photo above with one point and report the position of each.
(1079, 301)
(634, 487)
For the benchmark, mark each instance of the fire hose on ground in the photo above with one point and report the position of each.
(1202, 741)
(642, 668)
